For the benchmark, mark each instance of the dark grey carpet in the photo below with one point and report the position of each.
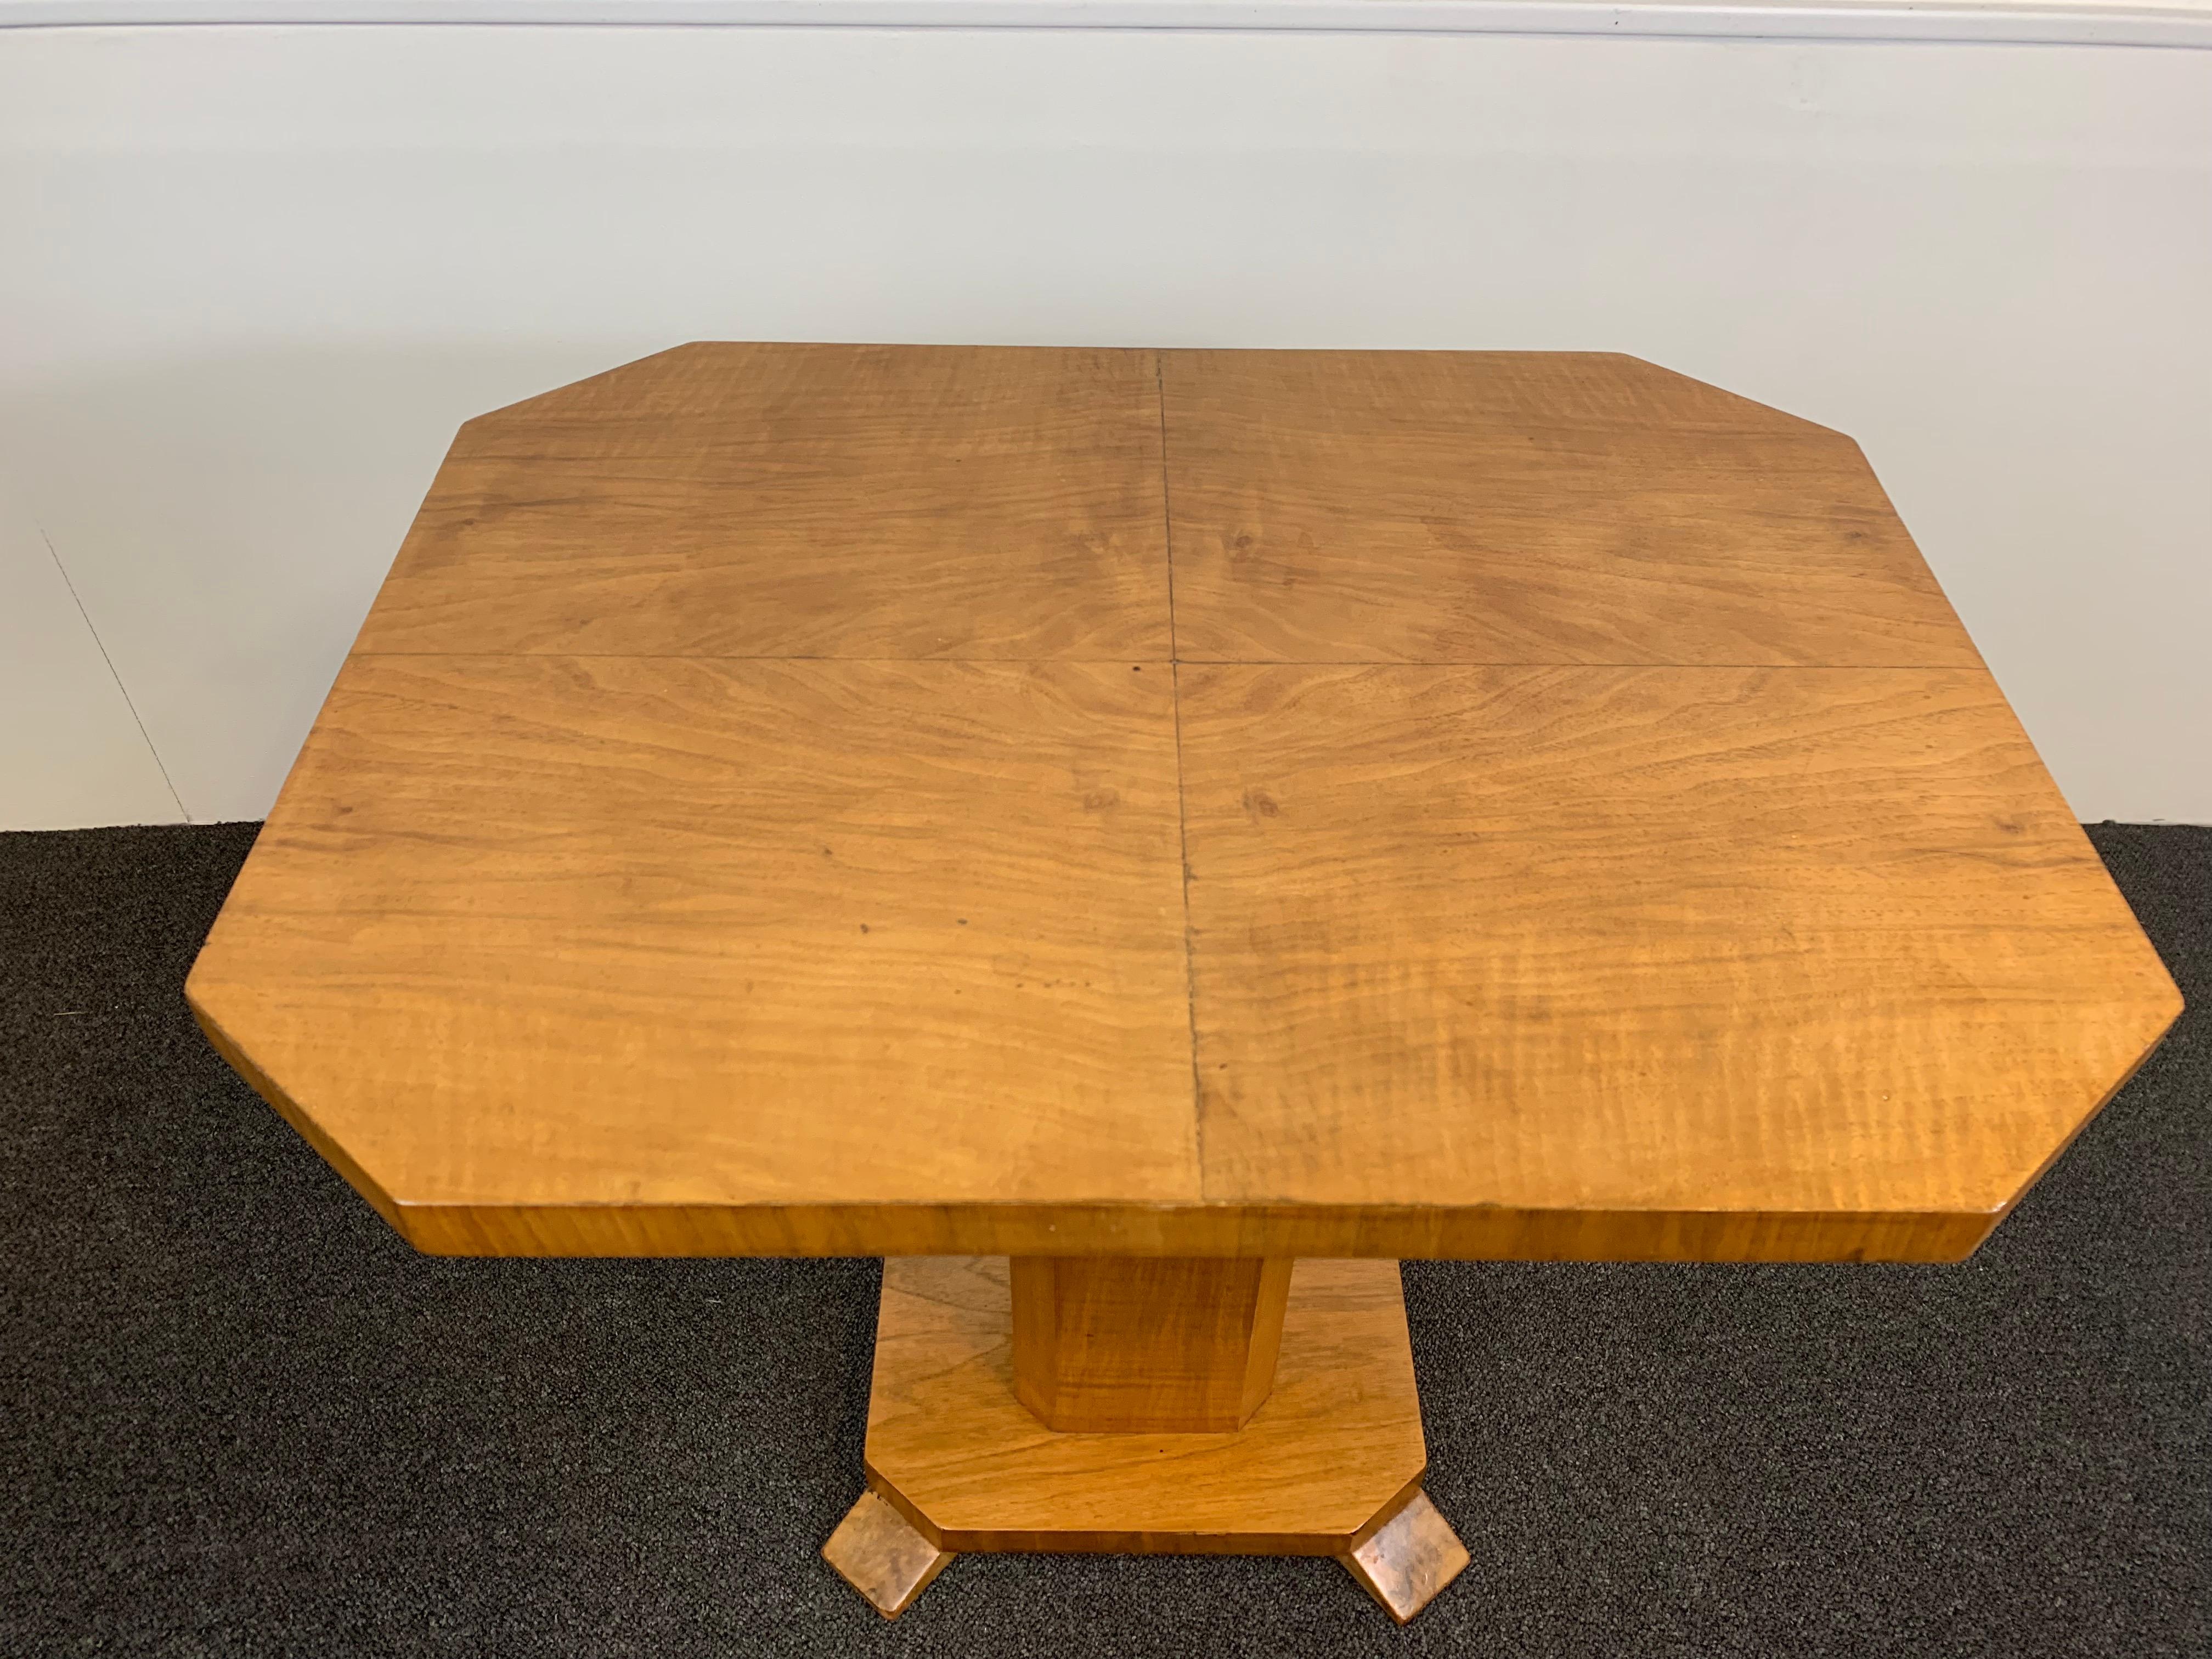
(237, 1416)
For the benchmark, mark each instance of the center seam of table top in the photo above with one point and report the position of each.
(1182, 805)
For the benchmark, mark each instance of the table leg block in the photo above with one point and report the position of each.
(1411, 1557)
(878, 1552)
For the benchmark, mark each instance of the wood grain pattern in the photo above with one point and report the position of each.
(602, 916)
(730, 500)
(1106, 1229)
(876, 1551)
(1410, 1558)
(1624, 941)
(1152, 1345)
(1337, 1443)
(549, 932)
(1519, 507)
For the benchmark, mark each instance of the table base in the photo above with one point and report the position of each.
(1330, 1464)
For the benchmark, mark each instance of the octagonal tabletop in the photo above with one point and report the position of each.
(885, 801)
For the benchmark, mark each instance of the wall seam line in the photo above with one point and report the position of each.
(144, 736)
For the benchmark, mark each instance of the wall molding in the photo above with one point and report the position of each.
(2187, 23)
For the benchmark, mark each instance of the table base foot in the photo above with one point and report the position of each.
(1411, 1558)
(876, 1551)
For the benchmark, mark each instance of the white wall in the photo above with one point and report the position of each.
(251, 278)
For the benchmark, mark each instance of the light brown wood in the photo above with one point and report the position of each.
(1525, 507)
(876, 1551)
(1411, 1558)
(540, 930)
(794, 500)
(1337, 1443)
(1152, 1345)
(600, 915)
(1763, 942)
(1370, 1230)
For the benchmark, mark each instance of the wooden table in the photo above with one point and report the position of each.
(1202, 825)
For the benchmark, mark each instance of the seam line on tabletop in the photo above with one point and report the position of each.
(778, 656)
(1183, 813)
(1491, 662)
(1193, 662)
(136, 718)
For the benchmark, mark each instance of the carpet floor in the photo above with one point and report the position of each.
(239, 1416)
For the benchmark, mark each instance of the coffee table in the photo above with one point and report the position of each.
(1144, 840)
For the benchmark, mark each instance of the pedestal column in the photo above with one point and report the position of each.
(1108, 1345)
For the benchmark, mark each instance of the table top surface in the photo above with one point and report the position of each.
(827, 800)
